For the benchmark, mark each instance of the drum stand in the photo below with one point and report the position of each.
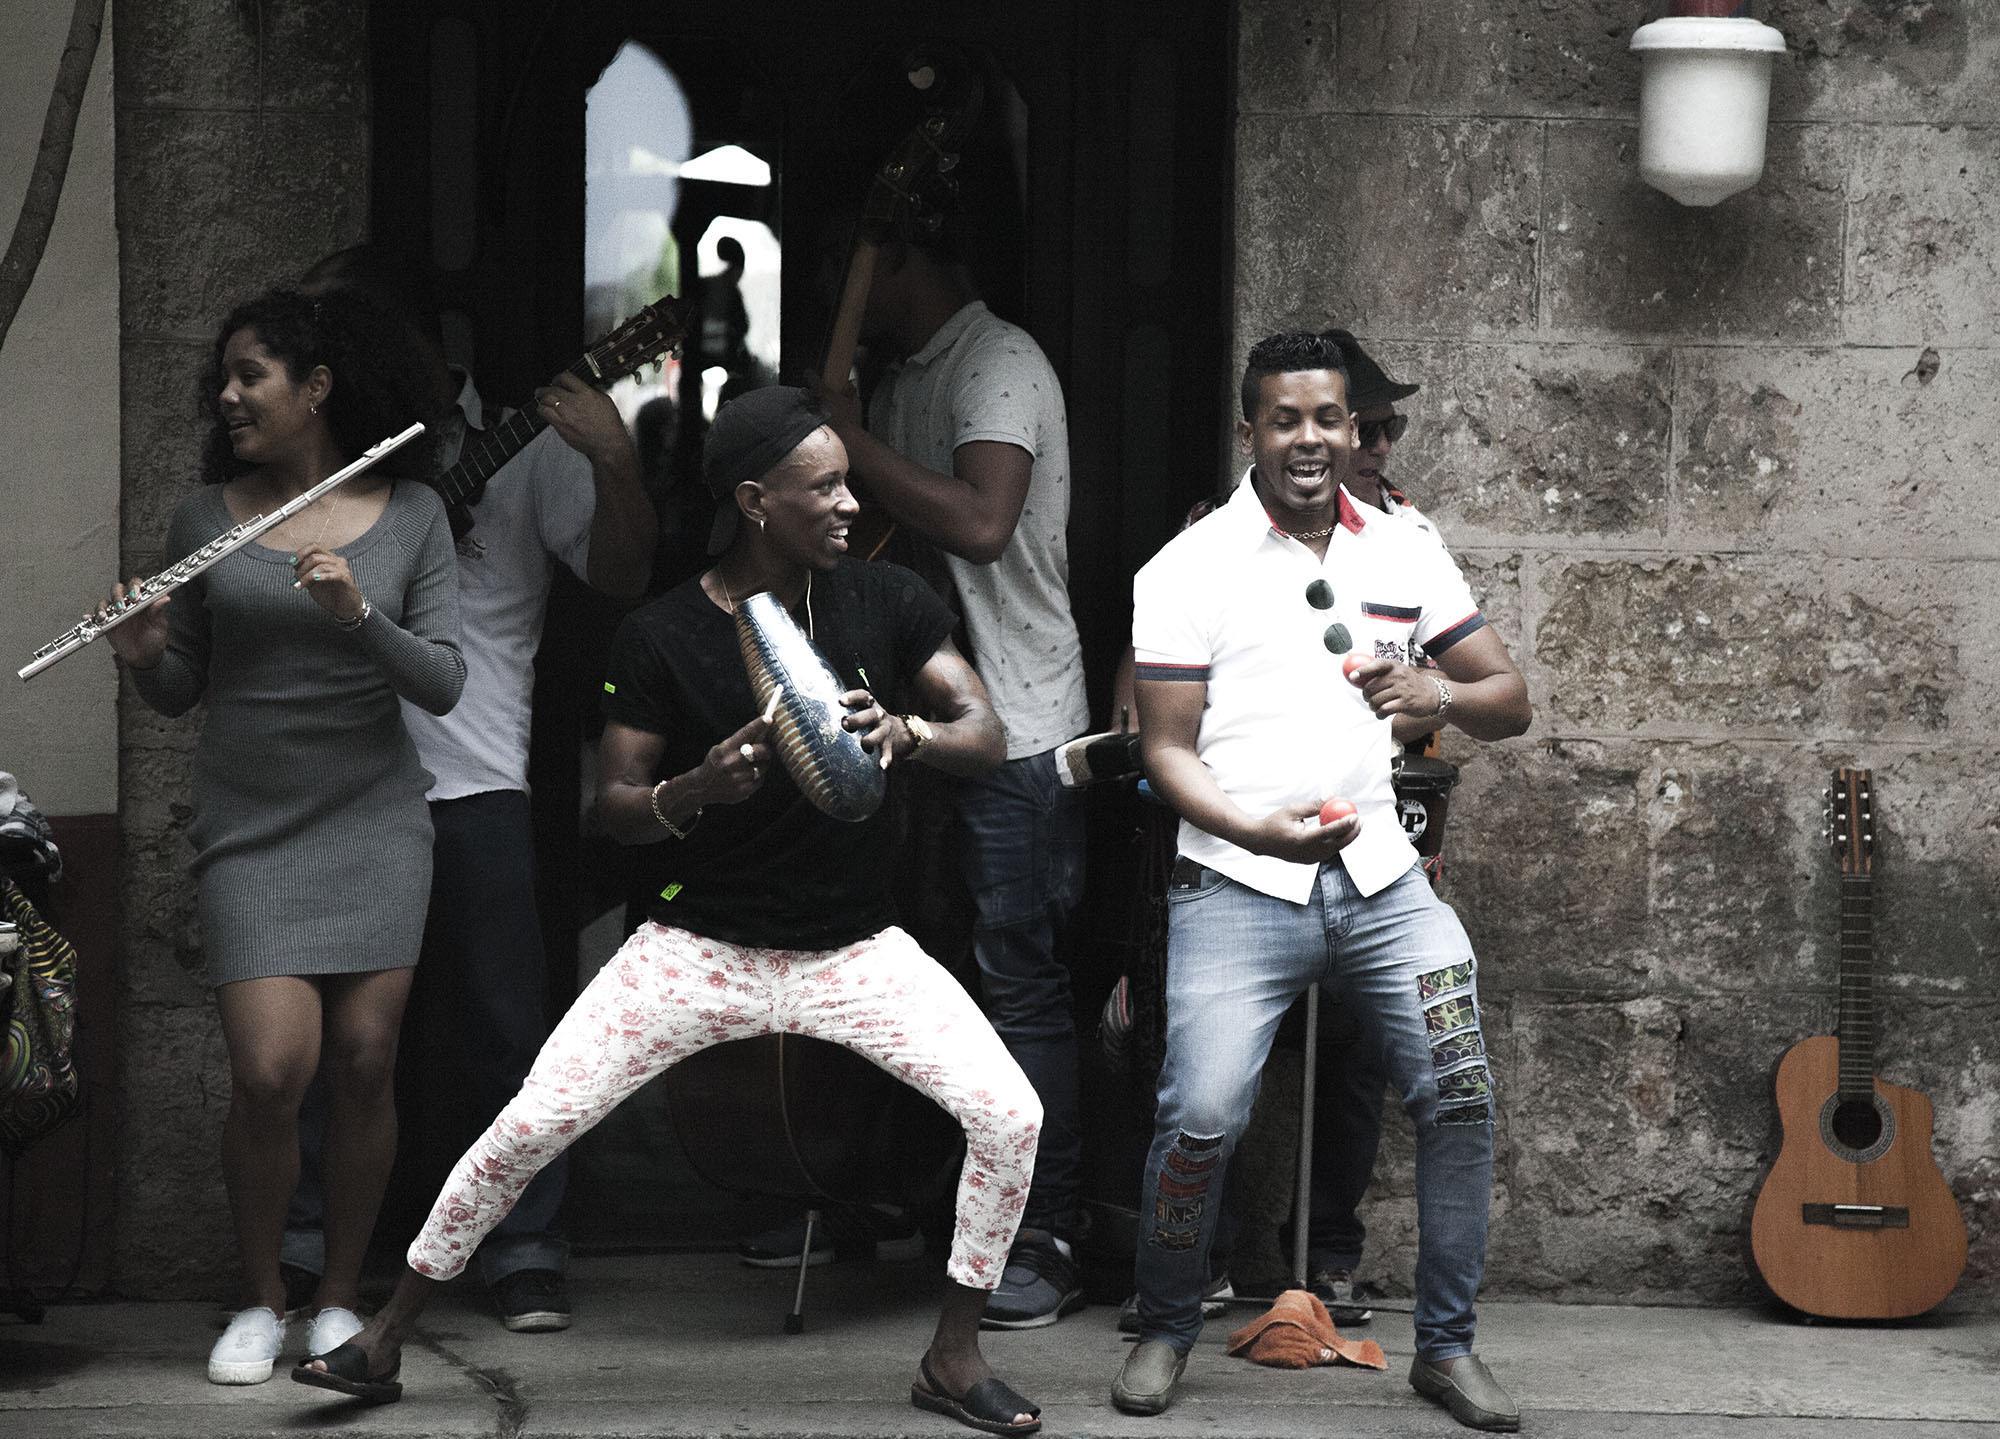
(795, 1322)
(1302, 1203)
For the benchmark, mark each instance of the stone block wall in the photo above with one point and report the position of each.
(242, 156)
(1722, 478)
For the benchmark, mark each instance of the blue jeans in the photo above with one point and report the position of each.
(475, 1021)
(1348, 1080)
(1236, 959)
(1023, 862)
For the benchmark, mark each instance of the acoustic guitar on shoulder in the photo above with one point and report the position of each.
(1855, 1220)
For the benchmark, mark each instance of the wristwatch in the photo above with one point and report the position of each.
(920, 730)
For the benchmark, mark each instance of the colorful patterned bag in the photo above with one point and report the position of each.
(38, 1082)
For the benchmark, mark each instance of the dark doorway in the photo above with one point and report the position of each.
(1113, 137)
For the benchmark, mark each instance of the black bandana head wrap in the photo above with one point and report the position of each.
(750, 436)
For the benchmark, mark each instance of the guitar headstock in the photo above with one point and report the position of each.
(639, 341)
(1850, 821)
(915, 186)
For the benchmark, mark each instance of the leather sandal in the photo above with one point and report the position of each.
(989, 1406)
(346, 1372)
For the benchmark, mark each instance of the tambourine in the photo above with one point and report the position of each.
(825, 760)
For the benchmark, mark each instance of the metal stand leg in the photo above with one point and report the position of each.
(1302, 1213)
(795, 1322)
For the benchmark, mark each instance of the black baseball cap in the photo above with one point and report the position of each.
(1367, 385)
(749, 436)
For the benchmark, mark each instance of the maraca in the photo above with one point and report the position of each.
(1335, 808)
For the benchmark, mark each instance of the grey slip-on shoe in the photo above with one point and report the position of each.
(1146, 1384)
(1469, 1391)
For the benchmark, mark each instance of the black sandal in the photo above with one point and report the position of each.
(346, 1372)
(989, 1405)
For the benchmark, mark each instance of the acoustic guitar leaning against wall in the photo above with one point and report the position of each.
(1855, 1220)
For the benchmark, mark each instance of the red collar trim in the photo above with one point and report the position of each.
(1350, 516)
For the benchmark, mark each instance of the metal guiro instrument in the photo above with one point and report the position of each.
(825, 760)
(226, 543)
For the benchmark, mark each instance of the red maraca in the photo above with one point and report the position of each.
(1349, 665)
(1335, 808)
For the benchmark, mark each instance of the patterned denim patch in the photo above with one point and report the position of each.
(1455, 1049)
(1182, 1202)
(1441, 981)
(1450, 1016)
(1465, 1085)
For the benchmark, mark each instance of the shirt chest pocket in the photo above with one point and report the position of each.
(1389, 630)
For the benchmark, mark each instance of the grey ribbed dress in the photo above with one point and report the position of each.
(312, 839)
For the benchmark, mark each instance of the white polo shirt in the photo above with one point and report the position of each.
(1225, 604)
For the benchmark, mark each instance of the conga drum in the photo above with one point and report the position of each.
(1423, 787)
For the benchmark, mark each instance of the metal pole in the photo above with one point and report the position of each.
(1302, 1214)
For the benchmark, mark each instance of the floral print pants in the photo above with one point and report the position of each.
(668, 993)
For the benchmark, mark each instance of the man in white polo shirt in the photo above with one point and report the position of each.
(1241, 625)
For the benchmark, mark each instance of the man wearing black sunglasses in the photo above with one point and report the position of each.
(1241, 627)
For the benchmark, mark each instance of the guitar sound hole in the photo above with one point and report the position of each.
(1857, 1125)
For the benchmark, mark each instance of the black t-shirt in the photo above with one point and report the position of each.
(771, 872)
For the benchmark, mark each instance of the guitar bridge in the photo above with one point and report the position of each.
(1857, 1216)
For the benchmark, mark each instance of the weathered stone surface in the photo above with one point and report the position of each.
(1847, 59)
(1848, 451)
(1455, 256)
(302, 55)
(1936, 866)
(215, 207)
(1729, 831)
(1788, 647)
(1534, 440)
(1621, 261)
(160, 438)
(1923, 237)
(174, 1238)
(1495, 581)
(1545, 862)
(1929, 60)
(1437, 57)
(160, 937)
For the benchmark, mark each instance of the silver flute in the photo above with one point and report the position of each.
(226, 543)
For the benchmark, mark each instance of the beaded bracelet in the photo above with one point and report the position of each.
(673, 829)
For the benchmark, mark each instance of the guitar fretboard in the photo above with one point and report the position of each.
(1857, 987)
(482, 458)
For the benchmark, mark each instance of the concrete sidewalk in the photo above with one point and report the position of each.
(691, 1345)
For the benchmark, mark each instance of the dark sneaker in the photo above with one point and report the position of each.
(532, 1301)
(301, 1288)
(1335, 1289)
(1214, 1300)
(1038, 1286)
(844, 1232)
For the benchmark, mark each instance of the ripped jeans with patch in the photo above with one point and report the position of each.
(1236, 960)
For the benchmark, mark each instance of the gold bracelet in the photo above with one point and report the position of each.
(673, 829)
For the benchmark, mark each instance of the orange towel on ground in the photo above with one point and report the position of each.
(1297, 1333)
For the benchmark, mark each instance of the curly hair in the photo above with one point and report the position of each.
(1286, 354)
(378, 382)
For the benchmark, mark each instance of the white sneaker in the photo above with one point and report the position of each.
(331, 1328)
(247, 1349)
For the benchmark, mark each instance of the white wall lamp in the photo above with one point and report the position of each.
(1704, 97)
